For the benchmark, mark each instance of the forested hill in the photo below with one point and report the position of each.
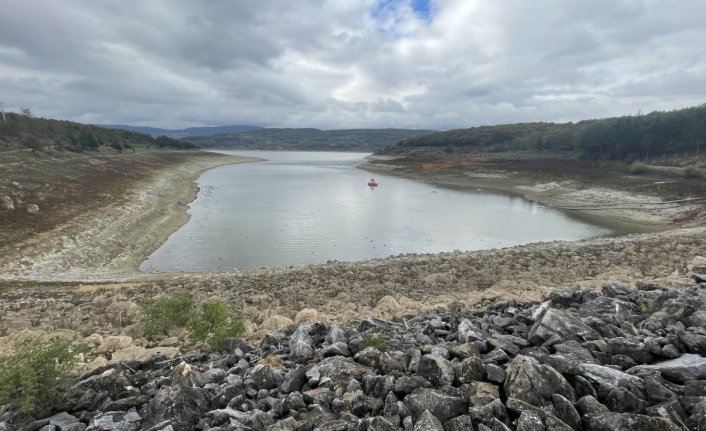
(40, 134)
(309, 139)
(184, 133)
(621, 138)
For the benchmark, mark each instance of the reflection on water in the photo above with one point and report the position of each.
(309, 207)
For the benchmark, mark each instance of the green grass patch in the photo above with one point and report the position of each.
(161, 314)
(209, 323)
(373, 339)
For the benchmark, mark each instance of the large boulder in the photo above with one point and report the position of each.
(439, 404)
(436, 370)
(626, 421)
(178, 404)
(684, 368)
(340, 370)
(556, 326)
(303, 342)
(535, 383)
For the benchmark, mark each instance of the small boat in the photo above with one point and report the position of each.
(372, 183)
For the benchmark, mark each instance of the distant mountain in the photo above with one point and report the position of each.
(308, 139)
(184, 133)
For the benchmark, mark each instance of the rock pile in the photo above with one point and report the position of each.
(581, 360)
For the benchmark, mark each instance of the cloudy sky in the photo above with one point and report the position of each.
(436, 64)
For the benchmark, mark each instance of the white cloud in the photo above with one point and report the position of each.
(344, 64)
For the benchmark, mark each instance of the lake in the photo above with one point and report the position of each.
(298, 208)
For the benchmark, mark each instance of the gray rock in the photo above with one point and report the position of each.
(695, 388)
(179, 404)
(321, 396)
(622, 400)
(334, 425)
(494, 373)
(214, 375)
(469, 370)
(338, 348)
(614, 289)
(629, 347)
(574, 351)
(687, 367)
(487, 413)
(550, 421)
(304, 339)
(530, 421)
(263, 376)
(694, 343)
(339, 370)
(468, 332)
(294, 379)
(566, 412)
(336, 335)
(32, 209)
(606, 375)
(535, 383)
(407, 384)
(459, 423)
(588, 405)
(556, 326)
(63, 421)
(379, 423)
(503, 344)
(583, 387)
(379, 360)
(625, 421)
(437, 370)
(186, 375)
(441, 405)
(288, 424)
(428, 422)
(258, 420)
(378, 386)
(115, 421)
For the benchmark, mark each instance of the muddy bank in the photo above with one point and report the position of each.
(607, 192)
(110, 241)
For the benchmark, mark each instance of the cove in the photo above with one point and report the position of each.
(297, 208)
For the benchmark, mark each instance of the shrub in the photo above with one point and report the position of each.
(211, 324)
(214, 323)
(373, 339)
(34, 377)
(692, 172)
(637, 168)
(161, 314)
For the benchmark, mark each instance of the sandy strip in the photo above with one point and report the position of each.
(111, 243)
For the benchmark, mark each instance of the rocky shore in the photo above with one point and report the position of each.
(618, 358)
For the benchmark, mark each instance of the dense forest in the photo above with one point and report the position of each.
(40, 134)
(625, 138)
(308, 139)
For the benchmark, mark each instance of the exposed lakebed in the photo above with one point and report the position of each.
(297, 208)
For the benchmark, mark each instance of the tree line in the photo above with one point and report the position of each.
(40, 134)
(627, 138)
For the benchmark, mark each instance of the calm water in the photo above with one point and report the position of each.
(309, 207)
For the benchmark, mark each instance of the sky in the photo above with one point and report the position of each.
(336, 64)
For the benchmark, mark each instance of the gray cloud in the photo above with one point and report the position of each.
(350, 63)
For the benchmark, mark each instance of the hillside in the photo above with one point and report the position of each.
(42, 134)
(184, 133)
(626, 138)
(308, 139)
